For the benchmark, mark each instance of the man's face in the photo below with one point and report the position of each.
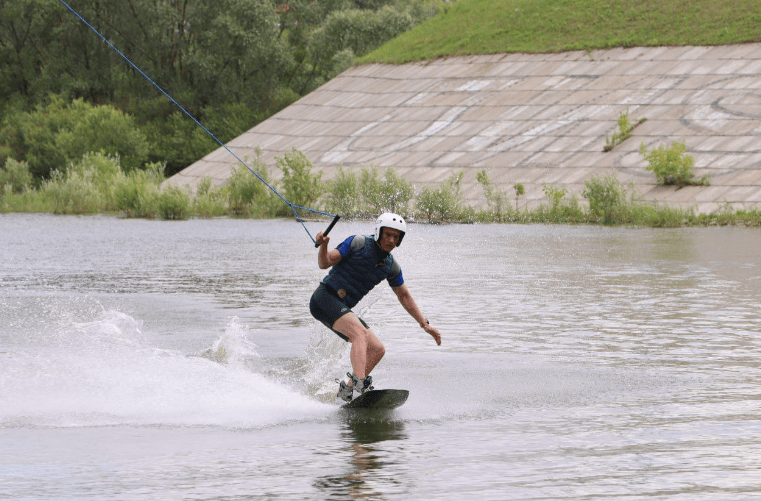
(389, 239)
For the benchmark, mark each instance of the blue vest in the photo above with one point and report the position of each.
(356, 274)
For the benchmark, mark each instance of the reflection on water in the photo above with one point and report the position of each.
(373, 471)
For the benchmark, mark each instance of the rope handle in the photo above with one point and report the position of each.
(330, 227)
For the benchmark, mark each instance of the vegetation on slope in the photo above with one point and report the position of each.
(469, 27)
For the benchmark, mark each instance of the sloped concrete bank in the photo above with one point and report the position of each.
(530, 119)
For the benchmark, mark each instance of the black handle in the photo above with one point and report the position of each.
(330, 227)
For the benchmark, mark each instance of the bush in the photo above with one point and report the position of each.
(15, 177)
(300, 185)
(86, 187)
(248, 196)
(392, 194)
(554, 194)
(347, 33)
(672, 166)
(559, 211)
(607, 199)
(103, 170)
(343, 195)
(179, 141)
(496, 199)
(57, 134)
(173, 203)
(442, 204)
(106, 129)
(72, 193)
(625, 129)
(136, 193)
(209, 201)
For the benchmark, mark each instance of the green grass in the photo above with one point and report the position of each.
(540, 26)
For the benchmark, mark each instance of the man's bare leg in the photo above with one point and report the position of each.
(366, 348)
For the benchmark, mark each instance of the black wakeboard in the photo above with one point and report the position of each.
(378, 399)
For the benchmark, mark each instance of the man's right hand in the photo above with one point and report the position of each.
(322, 239)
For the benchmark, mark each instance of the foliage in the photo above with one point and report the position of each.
(344, 195)
(247, 195)
(607, 199)
(52, 136)
(209, 201)
(671, 165)
(15, 176)
(520, 190)
(495, 197)
(559, 211)
(625, 129)
(136, 193)
(392, 194)
(97, 184)
(354, 32)
(367, 194)
(554, 194)
(442, 204)
(230, 63)
(73, 192)
(544, 26)
(300, 185)
(174, 203)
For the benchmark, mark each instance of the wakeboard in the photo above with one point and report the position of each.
(378, 399)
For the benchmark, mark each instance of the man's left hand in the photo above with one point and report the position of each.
(435, 334)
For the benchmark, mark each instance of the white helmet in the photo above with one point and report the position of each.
(389, 220)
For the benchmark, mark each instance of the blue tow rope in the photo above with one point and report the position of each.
(291, 205)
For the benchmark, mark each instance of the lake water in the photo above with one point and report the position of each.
(177, 360)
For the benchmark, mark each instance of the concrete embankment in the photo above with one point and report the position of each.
(530, 119)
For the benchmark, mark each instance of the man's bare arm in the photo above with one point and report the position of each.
(404, 296)
(326, 258)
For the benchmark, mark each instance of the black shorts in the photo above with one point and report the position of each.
(327, 307)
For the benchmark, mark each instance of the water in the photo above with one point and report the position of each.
(177, 360)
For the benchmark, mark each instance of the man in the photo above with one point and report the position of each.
(357, 265)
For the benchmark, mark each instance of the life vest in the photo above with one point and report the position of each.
(356, 274)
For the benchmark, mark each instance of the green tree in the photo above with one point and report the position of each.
(53, 136)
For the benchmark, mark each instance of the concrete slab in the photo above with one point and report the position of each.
(529, 118)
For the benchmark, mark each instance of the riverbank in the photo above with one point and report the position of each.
(98, 185)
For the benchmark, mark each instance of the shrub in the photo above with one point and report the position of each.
(392, 194)
(179, 141)
(346, 33)
(495, 198)
(343, 194)
(520, 190)
(625, 129)
(136, 193)
(247, 195)
(15, 177)
(173, 203)
(72, 193)
(103, 170)
(607, 199)
(671, 165)
(300, 185)
(209, 200)
(554, 194)
(57, 134)
(442, 204)
(86, 187)
(106, 129)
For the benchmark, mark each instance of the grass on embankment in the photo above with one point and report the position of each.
(470, 27)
